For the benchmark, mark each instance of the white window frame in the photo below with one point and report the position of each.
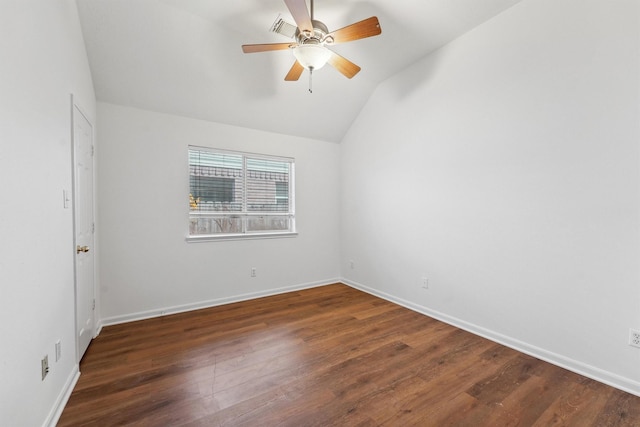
(245, 215)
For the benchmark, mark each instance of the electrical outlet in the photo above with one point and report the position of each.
(634, 338)
(352, 264)
(58, 350)
(66, 199)
(253, 272)
(425, 283)
(44, 364)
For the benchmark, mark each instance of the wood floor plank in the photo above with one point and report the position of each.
(580, 405)
(327, 356)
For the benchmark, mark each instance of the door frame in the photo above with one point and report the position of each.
(94, 332)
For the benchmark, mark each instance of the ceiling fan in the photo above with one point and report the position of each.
(312, 39)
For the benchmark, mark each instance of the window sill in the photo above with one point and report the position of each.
(248, 236)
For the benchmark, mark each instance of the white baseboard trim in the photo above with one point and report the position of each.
(98, 329)
(63, 398)
(114, 320)
(606, 377)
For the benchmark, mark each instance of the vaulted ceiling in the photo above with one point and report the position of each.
(183, 57)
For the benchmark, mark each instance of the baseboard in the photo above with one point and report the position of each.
(576, 366)
(98, 329)
(114, 320)
(63, 398)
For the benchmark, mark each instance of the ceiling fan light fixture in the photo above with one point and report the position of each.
(311, 56)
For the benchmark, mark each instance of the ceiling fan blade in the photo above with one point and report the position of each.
(265, 47)
(300, 13)
(360, 30)
(295, 72)
(346, 67)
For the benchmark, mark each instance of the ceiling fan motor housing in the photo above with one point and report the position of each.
(319, 35)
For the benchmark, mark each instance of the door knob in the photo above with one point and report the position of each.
(82, 249)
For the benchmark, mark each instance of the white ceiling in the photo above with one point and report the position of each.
(183, 57)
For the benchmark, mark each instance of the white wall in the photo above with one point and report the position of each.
(43, 62)
(147, 267)
(505, 168)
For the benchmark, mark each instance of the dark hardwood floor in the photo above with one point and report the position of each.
(329, 356)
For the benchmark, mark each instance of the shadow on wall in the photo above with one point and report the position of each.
(416, 75)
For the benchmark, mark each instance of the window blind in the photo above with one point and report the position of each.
(233, 193)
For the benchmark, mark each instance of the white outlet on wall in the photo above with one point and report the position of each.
(44, 366)
(253, 272)
(66, 199)
(634, 338)
(58, 350)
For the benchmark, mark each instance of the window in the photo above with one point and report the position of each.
(211, 189)
(234, 194)
(282, 192)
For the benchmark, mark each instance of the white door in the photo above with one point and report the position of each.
(83, 228)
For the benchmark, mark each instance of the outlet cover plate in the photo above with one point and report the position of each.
(44, 364)
(634, 338)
